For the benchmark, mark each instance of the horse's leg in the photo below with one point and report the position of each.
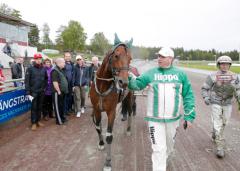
(109, 138)
(130, 110)
(134, 105)
(97, 117)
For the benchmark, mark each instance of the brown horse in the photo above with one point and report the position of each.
(109, 88)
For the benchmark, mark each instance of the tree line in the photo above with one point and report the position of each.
(73, 37)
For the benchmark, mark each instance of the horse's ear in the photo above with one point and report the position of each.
(116, 39)
(129, 43)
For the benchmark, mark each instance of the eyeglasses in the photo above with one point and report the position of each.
(160, 56)
(79, 59)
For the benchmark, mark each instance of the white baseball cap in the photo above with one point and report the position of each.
(79, 57)
(166, 52)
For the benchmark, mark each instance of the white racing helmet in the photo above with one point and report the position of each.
(224, 59)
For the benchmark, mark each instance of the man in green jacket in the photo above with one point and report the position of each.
(60, 89)
(168, 85)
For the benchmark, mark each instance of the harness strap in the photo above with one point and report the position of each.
(104, 79)
(101, 95)
(101, 103)
(104, 93)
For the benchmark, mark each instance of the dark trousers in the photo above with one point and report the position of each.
(68, 102)
(48, 106)
(125, 104)
(36, 109)
(134, 106)
(58, 101)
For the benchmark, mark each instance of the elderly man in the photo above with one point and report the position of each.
(167, 87)
(60, 89)
(35, 84)
(80, 83)
(93, 68)
(218, 90)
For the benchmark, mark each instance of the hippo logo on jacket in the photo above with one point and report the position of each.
(170, 77)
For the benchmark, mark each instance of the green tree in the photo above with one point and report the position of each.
(59, 39)
(4, 8)
(144, 53)
(46, 39)
(16, 13)
(33, 36)
(99, 44)
(73, 36)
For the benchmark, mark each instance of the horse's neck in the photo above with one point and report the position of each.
(105, 74)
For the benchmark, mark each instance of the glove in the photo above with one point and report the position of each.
(30, 97)
(131, 75)
(207, 101)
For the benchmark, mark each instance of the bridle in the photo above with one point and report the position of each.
(114, 79)
(114, 70)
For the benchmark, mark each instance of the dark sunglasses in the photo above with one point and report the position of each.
(160, 56)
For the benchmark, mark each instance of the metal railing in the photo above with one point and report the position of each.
(8, 85)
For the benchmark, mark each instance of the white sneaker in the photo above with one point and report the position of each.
(78, 114)
(82, 110)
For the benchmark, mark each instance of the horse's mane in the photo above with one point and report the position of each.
(105, 62)
(104, 68)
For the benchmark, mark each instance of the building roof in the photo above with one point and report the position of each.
(14, 20)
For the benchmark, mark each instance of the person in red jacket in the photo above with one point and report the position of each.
(2, 78)
(35, 84)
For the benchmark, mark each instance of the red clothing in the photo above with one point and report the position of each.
(2, 78)
(134, 71)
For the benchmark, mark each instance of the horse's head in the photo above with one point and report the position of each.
(119, 61)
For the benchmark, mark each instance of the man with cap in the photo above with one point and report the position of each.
(168, 85)
(218, 91)
(35, 83)
(80, 83)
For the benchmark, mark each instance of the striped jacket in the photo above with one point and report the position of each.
(220, 87)
(167, 88)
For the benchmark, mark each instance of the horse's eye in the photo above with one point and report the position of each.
(116, 56)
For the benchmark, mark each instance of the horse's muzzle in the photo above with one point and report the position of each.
(123, 82)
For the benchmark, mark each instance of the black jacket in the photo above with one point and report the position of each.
(16, 71)
(35, 79)
(92, 71)
(81, 75)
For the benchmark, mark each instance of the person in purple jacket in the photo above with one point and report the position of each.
(47, 104)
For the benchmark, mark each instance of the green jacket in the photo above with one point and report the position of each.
(63, 80)
(167, 88)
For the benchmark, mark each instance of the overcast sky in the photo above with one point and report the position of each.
(192, 24)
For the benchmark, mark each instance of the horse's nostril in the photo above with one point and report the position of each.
(120, 82)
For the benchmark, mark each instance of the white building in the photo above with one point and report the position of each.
(14, 31)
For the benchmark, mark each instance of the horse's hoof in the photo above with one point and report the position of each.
(101, 147)
(128, 133)
(107, 168)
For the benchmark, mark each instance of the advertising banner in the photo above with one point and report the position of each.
(13, 104)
